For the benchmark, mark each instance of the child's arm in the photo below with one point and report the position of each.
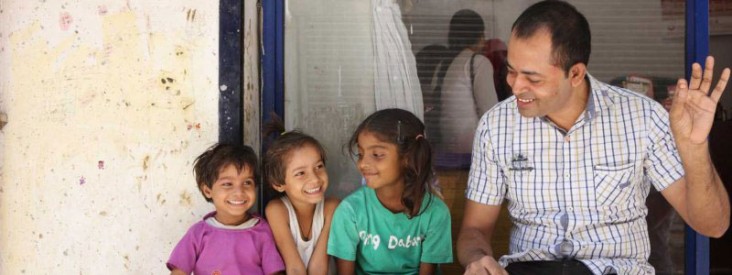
(177, 272)
(277, 217)
(346, 267)
(319, 260)
(437, 245)
(426, 269)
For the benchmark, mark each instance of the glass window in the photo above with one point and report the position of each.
(345, 59)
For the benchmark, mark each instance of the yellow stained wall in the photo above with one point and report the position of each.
(108, 103)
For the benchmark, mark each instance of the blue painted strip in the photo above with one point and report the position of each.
(273, 70)
(280, 58)
(230, 71)
(696, 246)
(268, 58)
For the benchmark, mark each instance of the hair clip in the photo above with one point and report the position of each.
(400, 139)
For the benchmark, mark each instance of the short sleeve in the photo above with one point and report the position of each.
(271, 259)
(183, 256)
(343, 239)
(437, 244)
(486, 183)
(662, 164)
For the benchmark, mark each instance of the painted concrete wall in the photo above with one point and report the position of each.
(109, 102)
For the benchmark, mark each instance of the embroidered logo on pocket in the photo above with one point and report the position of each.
(519, 162)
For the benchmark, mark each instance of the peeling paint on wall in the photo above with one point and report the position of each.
(110, 102)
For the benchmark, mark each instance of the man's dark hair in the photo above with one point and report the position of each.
(569, 30)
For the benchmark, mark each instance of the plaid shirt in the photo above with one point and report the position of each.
(579, 193)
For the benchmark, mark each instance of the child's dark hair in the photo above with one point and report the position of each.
(402, 128)
(279, 151)
(207, 166)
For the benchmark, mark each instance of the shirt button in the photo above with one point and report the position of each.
(570, 208)
(566, 247)
(566, 175)
(566, 138)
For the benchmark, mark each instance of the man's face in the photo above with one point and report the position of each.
(541, 87)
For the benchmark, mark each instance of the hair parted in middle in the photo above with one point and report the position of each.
(407, 132)
(280, 150)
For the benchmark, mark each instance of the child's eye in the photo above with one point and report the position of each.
(226, 184)
(320, 166)
(299, 174)
(248, 182)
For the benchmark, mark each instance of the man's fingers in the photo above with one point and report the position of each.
(681, 91)
(708, 74)
(696, 76)
(721, 85)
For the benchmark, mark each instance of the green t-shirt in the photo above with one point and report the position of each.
(382, 242)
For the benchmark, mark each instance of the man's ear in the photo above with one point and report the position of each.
(577, 74)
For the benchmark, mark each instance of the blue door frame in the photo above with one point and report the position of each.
(273, 57)
(696, 248)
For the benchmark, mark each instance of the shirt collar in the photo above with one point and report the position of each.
(598, 97)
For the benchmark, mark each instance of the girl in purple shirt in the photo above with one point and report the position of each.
(228, 240)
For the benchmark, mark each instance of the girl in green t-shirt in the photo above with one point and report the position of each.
(396, 224)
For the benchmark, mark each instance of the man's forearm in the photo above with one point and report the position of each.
(707, 202)
(472, 245)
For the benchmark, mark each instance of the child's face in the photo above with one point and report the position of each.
(233, 193)
(305, 176)
(379, 161)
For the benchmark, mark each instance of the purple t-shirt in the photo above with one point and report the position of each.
(207, 250)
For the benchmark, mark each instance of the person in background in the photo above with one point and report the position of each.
(575, 158)
(466, 86)
(396, 224)
(294, 166)
(229, 240)
(495, 50)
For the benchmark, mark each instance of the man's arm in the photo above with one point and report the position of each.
(699, 197)
(473, 245)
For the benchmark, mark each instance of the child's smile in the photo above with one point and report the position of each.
(378, 161)
(233, 193)
(305, 176)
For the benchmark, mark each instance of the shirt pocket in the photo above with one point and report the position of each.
(525, 190)
(613, 183)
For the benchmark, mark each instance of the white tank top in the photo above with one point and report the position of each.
(305, 248)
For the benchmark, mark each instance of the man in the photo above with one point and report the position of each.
(575, 158)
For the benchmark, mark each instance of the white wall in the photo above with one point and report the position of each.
(96, 157)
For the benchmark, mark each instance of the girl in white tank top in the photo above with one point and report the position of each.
(294, 165)
(305, 247)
